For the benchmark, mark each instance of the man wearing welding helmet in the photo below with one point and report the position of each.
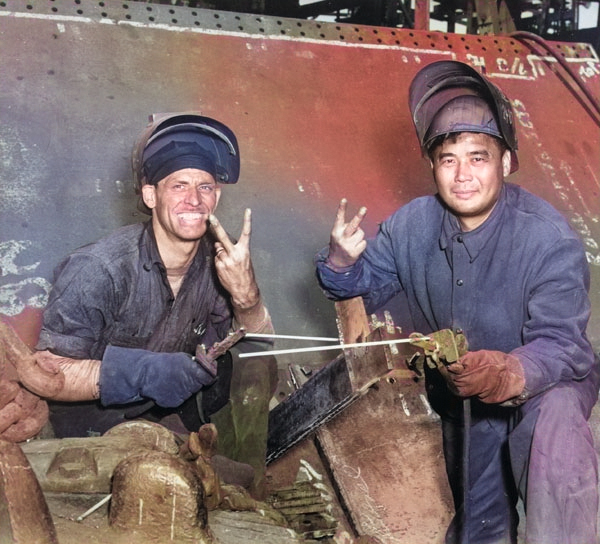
(126, 314)
(488, 259)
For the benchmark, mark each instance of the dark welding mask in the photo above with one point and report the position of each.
(175, 141)
(446, 89)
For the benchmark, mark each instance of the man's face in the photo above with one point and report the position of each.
(181, 204)
(469, 169)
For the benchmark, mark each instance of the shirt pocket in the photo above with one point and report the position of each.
(129, 336)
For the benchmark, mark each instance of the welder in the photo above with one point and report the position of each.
(491, 260)
(127, 314)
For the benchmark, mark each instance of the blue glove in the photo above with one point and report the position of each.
(128, 375)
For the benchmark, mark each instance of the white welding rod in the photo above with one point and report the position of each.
(94, 508)
(338, 346)
(290, 337)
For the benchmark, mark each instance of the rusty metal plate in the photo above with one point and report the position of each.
(320, 110)
(385, 455)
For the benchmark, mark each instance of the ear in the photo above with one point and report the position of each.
(506, 162)
(149, 196)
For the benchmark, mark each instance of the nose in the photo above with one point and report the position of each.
(463, 171)
(193, 196)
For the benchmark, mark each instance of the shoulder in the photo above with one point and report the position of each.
(122, 239)
(537, 214)
(109, 253)
(420, 214)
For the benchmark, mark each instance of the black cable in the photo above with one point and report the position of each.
(593, 108)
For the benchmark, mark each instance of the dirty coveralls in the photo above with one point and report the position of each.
(517, 284)
(115, 291)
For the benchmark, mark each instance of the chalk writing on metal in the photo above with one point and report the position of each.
(567, 192)
(25, 292)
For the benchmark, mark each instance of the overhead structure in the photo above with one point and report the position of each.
(550, 19)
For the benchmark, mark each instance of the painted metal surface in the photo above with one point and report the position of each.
(320, 111)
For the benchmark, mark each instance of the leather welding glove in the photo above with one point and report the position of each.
(492, 376)
(129, 375)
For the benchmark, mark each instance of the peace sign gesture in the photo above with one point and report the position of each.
(347, 240)
(233, 263)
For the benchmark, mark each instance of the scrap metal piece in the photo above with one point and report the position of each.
(385, 455)
(24, 514)
(160, 496)
(324, 395)
(307, 508)
(86, 465)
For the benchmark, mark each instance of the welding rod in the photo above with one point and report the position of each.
(290, 337)
(94, 508)
(339, 346)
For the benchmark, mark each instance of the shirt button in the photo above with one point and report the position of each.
(459, 239)
(458, 330)
(459, 283)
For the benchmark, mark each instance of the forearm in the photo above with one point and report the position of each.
(254, 319)
(81, 376)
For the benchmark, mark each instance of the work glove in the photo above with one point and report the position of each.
(129, 375)
(492, 376)
(23, 413)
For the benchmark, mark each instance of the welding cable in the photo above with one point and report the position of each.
(594, 110)
(465, 469)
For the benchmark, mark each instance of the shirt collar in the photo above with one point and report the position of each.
(474, 240)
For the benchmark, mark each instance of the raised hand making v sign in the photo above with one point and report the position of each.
(236, 274)
(347, 240)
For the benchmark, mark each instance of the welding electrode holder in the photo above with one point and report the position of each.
(437, 350)
(207, 359)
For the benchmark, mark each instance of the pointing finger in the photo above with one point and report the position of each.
(246, 226)
(220, 233)
(340, 216)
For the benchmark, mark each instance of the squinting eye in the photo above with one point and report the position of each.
(207, 188)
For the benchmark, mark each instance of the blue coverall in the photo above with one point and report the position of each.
(517, 284)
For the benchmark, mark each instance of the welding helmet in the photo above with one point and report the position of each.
(175, 141)
(448, 85)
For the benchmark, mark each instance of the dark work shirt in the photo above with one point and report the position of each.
(115, 291)
(518, 283)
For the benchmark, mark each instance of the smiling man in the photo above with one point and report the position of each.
(488, 259)
(126, 313)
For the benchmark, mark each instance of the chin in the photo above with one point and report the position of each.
(192, 235)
